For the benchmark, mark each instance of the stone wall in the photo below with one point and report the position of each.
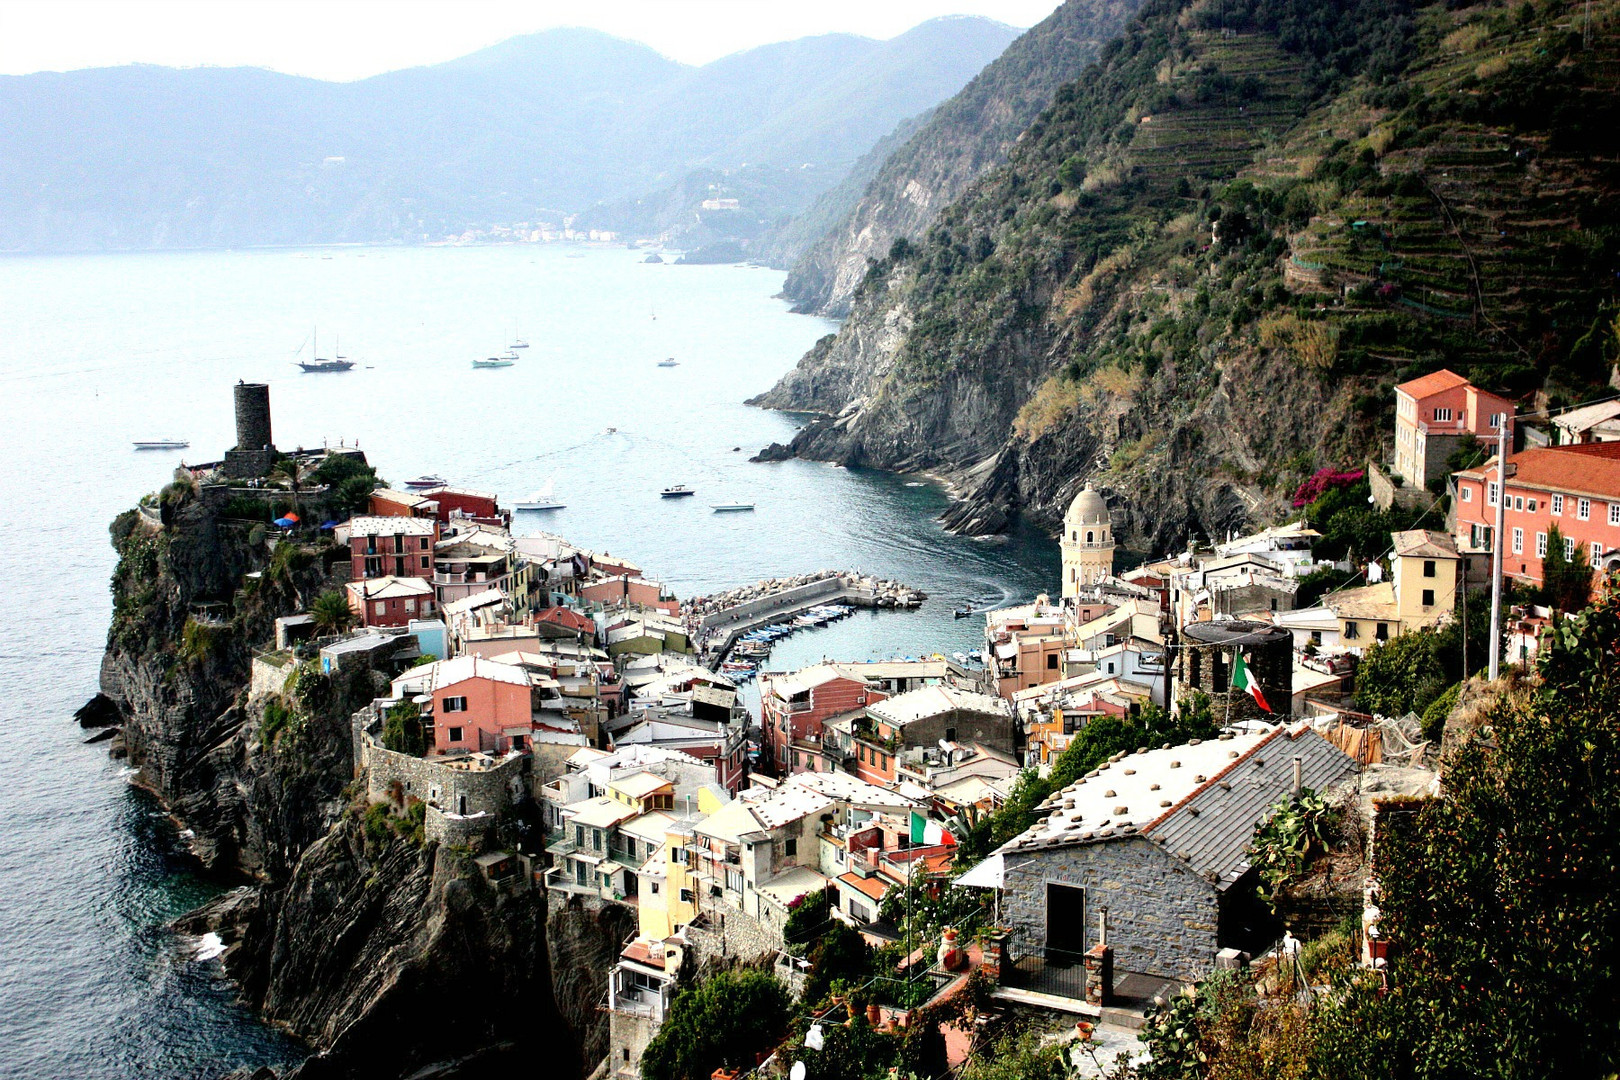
(628, 1035)
(800, 594)
(1162, 917)
(726, 934)
(491, 791)
(444, 828)
(1203, 668)
(270, 676)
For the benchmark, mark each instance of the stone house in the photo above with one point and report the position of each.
(1156, 843)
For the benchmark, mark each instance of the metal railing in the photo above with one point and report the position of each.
(1049, 971)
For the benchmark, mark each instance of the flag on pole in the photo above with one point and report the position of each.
(1242, 680)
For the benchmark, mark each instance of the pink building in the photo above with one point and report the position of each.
(622, 590)
(477, 704)
(391, 547)
(794, 708)
(391, 601)
(1433, 414)
(1576, 488)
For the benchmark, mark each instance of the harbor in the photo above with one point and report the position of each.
(734, 630)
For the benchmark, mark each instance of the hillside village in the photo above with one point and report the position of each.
(1065, 825)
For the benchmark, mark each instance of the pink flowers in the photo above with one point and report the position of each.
(1323, 481)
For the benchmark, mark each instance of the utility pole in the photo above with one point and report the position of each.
(1496, 547)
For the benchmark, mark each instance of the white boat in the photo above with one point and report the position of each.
(495, 361)
(726, 508)
(541, 500)
(426, 481)
(676, 491)
(161, 444)
(669, 362)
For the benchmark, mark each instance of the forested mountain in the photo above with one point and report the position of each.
(965, 137)
(1204, 267)
(557, 121)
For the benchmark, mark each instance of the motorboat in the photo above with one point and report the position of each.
(676, 491)
(161, 444)
(669, 361)
(540, 500)
(727, 508)
(426, 481)
(495, 362)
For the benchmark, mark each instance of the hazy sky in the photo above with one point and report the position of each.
(350, 39)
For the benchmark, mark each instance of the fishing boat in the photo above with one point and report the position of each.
(495, 362)
(962, 612)
(161, 444)
(727, 508)
(676, 491)
(541, 500)
(669, 362)
(426, 481)
(316, 364)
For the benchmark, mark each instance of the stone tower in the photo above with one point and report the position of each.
(1088, 542)
(254, 452)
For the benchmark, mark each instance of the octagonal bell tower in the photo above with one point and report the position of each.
(1088, 542)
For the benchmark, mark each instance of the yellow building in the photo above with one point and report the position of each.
(667, 894)
(1422, 592)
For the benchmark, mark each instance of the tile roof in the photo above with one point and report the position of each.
(442, 673)
(1425, 543)
(919, 704)
(567, 617)
(600, 812)
(870, 887)
(1592, 469)
(388, 526)
(1368, 602)
(390, 588)
(1436, 383)
(641, 784)
(1201, 801)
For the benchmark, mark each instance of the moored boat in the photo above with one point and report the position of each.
(676, 491)
(161, 444)
(726, 508)
(426, 481)
(494, 362)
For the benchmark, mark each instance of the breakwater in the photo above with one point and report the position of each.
(717, 621)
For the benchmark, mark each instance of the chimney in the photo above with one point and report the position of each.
(1299, 775)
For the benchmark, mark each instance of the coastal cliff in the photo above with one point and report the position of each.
(1206, 265)
(385, 952)
(965, 137)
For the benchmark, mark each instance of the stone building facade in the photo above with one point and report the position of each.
(1204, 659)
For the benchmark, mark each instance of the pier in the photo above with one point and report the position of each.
(718, 621)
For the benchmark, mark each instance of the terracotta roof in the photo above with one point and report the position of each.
(1367, 602)
(1436, 383)
(1592, 469)
(562, 616)
(870, 887)
(1425, 543)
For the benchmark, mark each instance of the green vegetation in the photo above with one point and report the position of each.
(137, 601)
(402, 730)
(383, 822)
(1409, 673)
(723, 1021)
(807, 917)
(350, 480)
(1285, 843)
(278, 717)
(198, 640)
(1566, 580)
(331, 614)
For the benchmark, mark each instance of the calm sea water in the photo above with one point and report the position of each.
(98, 351)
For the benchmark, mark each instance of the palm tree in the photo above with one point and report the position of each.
(331, 613)
(294, 472)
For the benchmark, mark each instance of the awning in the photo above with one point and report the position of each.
(987, 875)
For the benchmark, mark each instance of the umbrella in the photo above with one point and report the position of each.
(325, 525)
(285, 522)
(292, 517)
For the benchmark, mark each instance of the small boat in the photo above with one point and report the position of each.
(962, 612)
(494, 362)
(676, 491)
(611, 431)
(520, 344)
(540, 500)
(316, 364)
(726, 508)
(426, 481)
(161, 444)
(669, 362)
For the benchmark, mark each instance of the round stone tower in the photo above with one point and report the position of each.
(1204, 662)
(252, 416)
(1088, 542)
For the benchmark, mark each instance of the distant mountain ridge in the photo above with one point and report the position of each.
(144, 156)
(967, 136)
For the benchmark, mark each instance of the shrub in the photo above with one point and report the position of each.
(724, 1021)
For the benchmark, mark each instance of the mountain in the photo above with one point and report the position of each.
(533, 128)
(967, 136)
(1204, 267)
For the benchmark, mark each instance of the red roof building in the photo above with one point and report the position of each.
(1576, 488)
(1433, 414)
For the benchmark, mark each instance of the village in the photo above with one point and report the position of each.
(561, 713)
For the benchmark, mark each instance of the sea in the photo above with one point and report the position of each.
(99, 351)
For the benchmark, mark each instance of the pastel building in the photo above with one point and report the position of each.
(391, 547)
(1576, 488)
(472, 704)
(1087, 542)
(1433, 414)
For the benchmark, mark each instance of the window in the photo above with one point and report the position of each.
(1569, 547)
(1497, 418)
(1614, 513)
(1530, 505)
(1558, 504)
(1428, 568)
(1518, 541)
(427, 562)
(735, 881)
(1490, 493)
(1541, 545)
(686, 896)
(1518, 502)
(410, 605)
(1316, 637)
(1382, 633)
(1351, 631)
(378, 608)
(1051, 661)
(1442, 415)
(455, 734)
(1597, 552)
(596, 839)
(424, 544)
(790, 847)
(455, 704)
(1466, 493)
(1583, 509)
(1428, 598)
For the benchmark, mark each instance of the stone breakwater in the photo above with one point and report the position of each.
(715, 621)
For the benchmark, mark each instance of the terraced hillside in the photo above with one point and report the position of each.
(1206, 265)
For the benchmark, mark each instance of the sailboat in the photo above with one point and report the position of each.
(316, 364)
(542, 499)
(517, 342)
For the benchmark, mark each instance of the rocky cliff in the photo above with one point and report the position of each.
(965, 137)
(385, 953)
(1204, 267)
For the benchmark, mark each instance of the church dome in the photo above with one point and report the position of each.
(1088, 508)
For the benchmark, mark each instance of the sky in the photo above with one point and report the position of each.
(352, 39)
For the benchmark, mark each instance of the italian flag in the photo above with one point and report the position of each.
(1242, 680)
(928, 832)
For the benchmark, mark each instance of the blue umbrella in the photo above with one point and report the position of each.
(285, 523)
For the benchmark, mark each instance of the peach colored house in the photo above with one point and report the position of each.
(794, 707)
(477, 704)
(1432, 414)
(1576, 488)
(622, 590)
